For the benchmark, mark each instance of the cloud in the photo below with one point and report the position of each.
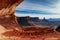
(44, 7)
(42, 2)
(34, 12)
(37, 15)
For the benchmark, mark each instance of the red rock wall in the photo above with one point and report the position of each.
(8, 6)
(7, 17)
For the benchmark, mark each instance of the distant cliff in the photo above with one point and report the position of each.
(28, 21)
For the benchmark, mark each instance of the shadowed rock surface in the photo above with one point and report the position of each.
(23, 21)
(28, 21)
(58, 28)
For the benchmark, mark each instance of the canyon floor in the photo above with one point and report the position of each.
(22, 35)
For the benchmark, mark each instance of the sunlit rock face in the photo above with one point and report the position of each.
(7, 17)
(8, 6)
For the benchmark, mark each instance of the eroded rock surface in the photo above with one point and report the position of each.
(7, 17)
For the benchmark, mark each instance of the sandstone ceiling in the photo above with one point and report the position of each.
(8, 6)
(7, 17)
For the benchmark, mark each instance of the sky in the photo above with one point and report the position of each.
(39, 8)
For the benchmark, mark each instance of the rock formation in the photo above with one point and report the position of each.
(7, 17)
(58, 28)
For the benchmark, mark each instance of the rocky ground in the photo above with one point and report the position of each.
(23, 35)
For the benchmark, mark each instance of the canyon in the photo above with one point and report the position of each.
(11, 30)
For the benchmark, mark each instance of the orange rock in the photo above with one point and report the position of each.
(7, 17)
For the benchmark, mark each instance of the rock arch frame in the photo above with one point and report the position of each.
(7, 17)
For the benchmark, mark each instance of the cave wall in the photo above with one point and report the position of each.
(8, 6)
(7, 17)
